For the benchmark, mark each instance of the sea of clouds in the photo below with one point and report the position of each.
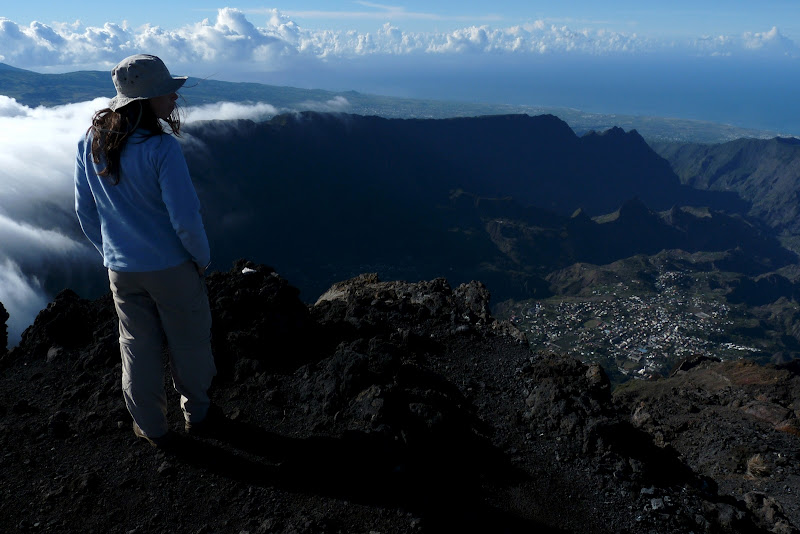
(747, 79)
(43, 249)
(279, 43)
(606, 71)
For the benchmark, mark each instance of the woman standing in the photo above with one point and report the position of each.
(136, 203)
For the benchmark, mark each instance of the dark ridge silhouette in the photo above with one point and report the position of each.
(323, 197)
(539, 161)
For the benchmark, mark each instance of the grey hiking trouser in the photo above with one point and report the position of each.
(172, 304)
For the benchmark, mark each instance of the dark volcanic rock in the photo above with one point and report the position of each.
(365, 306)
(258, 316)
(386, 406)
(734, 422)
(68, 326)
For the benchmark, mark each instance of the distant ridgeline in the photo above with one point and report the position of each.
(34, 89)
(502, 199)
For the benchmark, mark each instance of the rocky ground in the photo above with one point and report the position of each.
(388, 407)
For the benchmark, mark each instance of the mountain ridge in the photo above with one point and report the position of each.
(34, 89)
(433, 192)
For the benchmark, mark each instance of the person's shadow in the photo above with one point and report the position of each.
(372, 469)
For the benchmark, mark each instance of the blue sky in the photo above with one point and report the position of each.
(678, 17)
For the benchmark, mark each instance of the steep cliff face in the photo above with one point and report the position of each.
(538, 160)
(385, 406)
(417, 199)
(763, 172)
(3, 329)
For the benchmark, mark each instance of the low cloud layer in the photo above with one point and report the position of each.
(43, 248)
(277, 43)
(35, 200)
(230, 111)
(334, 105)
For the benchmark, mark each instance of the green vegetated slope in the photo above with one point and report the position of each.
(34, 89)
(763, 172)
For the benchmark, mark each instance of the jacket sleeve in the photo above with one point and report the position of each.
(85, 206)
(182, 204)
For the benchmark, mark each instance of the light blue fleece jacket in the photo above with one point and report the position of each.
(150, 220)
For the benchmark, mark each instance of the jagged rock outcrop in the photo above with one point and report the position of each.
(66, 328)
(429, 309)
(258, 321)
(386, 406)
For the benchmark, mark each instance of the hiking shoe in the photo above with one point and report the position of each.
(161, 442)
(210, 426)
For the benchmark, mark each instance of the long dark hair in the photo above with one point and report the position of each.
(111, 131)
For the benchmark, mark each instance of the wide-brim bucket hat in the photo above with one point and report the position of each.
(140, 77)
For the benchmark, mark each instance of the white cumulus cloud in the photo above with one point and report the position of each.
(231, 39)
(335, 104)
(770, 44)
(230, 111)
